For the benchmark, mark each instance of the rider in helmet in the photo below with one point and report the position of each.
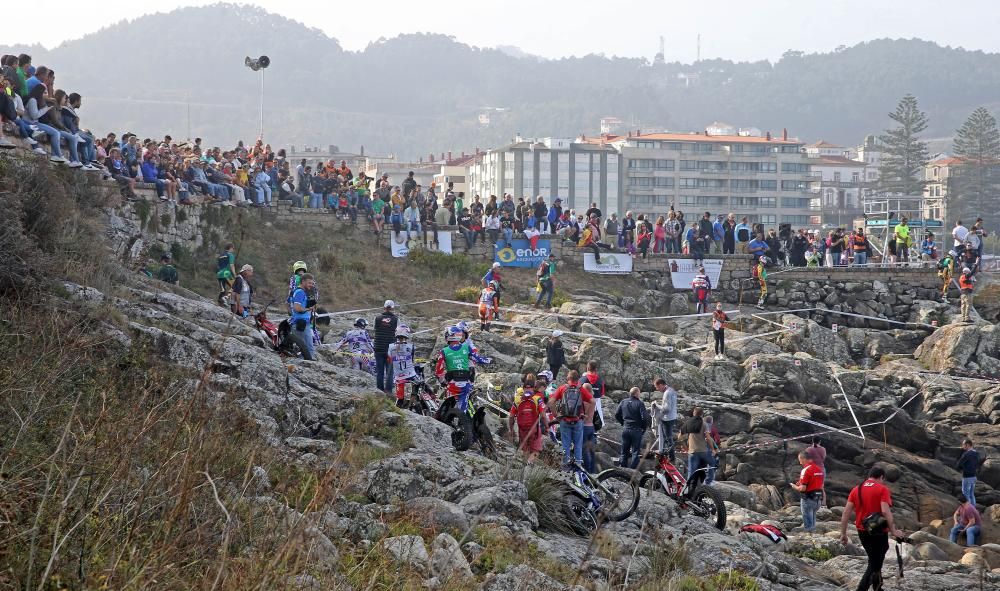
(702, 287)
(359, 345)
(402, 358)
(488, 304)
(454, 366)
(762, 278)
(299, 268)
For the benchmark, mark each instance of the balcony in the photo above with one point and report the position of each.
(714, 171)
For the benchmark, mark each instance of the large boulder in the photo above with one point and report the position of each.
(818, 341)
(408, 551)
(522, 578)
(506, 503)
(447, 561)
(971, 347)
(784, 378)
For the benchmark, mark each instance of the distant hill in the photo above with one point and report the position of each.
(420, 93)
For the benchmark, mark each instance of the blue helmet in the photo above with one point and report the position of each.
(453, 334)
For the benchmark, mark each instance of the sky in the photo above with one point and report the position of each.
(730, 29)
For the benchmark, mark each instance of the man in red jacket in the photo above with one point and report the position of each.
(810, 485)
(866, 499)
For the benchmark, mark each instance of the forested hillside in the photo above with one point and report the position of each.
(417, 92)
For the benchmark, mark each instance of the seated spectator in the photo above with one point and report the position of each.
(151, 174)
(37, 109)
(88, 155)
(117, 169)
(928, 248)
(968, 521)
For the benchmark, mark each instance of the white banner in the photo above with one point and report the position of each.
(402, 247)
(683, 271)
(611, 263)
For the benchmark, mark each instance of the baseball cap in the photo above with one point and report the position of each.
(246, 268)
(389, 304)
(496, 265)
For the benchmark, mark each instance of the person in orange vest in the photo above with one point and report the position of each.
(966, 284)
(860, 245)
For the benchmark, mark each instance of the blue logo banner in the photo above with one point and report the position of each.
(518, 253)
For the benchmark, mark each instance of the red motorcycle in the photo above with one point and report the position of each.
(274, 335)
(691, 495)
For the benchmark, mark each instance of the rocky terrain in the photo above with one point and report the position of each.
(905, 384)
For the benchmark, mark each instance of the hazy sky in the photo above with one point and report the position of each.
(729, 29)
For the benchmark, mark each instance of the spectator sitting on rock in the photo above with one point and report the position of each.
(968, 521)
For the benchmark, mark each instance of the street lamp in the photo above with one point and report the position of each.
(259, 65)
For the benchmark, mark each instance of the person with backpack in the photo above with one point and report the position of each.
(968, 465)
(570, 402)
(301, 333)
(634, 418)
(385, 333)
(810, 485)
(760, 274)
(530, 415)
(555, 354)
(545, 273)
(966, 285)
(167, 271)
(701, 285)
(598, 387)
(225, 272)
(243, 292)
(870, 503)
(665, 413)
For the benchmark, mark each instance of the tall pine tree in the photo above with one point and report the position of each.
(904, 157)
(976, 179)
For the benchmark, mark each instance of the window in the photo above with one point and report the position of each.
(664, 182)
(736, 148)
(640, 181)
(702, 148)
(855, 177)
(640, 163)
(671, 146)
(689, 165)
(768, 202)
(687, 201)
(795, 219)
(789, 149)
(794, 186)
(753, 166)
(770, 185)
(836, 177)
(795, 202)
(796, 167)
(645, 144)
(688, 183)
(768, 219)
(663, 164)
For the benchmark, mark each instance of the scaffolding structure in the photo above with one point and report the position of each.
(883, 212)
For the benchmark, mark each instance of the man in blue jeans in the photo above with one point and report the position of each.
(385, 335)
(968, 465)
(810, 485)
(570, 402)
(634, 417)
(302, 334)
(967, 521)
(699, 441)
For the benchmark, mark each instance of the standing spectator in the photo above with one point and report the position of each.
(411, 219)
(555, 354)
(634, 417)
(465, 226)
(810, 485)
(865, 500)
(660, 236)
(546, 273)
(743, 234)
(243, 292)
(774, 246)
(718, 233)
(719, 320)
(729, 237)
(409, 185)
(696, 244)
(960, 233)
(707, 231)
(385, 335)
(529, 414)
(643, 236)
(610, 235)
(980, 233)
(673, 233)
(570, 400)
(598, 387)
(713, 434)
(592, 211)
(797, 253)
(492, 226)
(699, 444)
(666, 418)
(429, 224)
(301, 333)
(968, 521)
(968, 464)
(628, 233)
(442, 218)
(966, 285)
(589, 432)
(860, 246)
(902, 234)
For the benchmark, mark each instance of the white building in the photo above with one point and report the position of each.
(580, 171)
(838, 181)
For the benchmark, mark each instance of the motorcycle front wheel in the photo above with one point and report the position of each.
(709, 504)
(578, 515)
(620, 492)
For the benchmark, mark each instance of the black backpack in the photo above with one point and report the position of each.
(222, 263)
(571, 403)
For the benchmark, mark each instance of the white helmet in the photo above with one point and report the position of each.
(496, 265)
(453, 335)
(763, 260)
(403, 331)
(966, 270)
(545, 374)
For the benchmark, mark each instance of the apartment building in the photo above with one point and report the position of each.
(763, 178)
(580, 172)
(939, 175)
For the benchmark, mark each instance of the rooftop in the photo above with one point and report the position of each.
(837, 161)
(702, 137)
(823, 144)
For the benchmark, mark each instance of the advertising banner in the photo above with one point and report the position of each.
(402, 247)
(683, 271)
(611, 263)
(520, 254)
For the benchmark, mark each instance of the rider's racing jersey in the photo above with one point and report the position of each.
(357, 340)
(487, 297)
(457, 359)
(401, 355)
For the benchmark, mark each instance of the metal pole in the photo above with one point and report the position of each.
(189, 116)
(261, 104)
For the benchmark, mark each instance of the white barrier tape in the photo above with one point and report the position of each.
(849, 407)
(825, 311)
(758, 317)
(343, 312)
(738, 340)
(758, 409)
(583, 317)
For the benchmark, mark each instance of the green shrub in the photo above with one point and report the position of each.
(165, 220)
(467, 294)
(734, 580)
(817, 554)
(448, 265)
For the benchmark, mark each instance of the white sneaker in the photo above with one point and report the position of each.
(39, 134)
(40, 151)
(76, 164)
(58, 159)
(90, 168)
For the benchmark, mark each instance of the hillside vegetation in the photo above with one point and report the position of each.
(420, 93)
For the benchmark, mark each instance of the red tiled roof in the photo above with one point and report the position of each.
(604, 138)
(701, 137)
(823, 144)
(946, 161)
